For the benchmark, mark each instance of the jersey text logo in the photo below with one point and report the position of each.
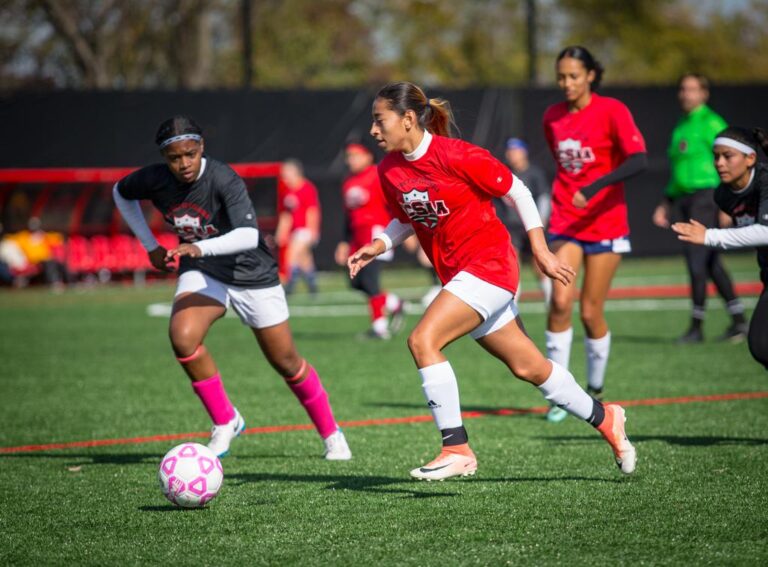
(572, 156)
(189, 229)
(419, 208)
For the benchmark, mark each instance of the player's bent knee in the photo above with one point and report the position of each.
(421, 344)
(184, 340)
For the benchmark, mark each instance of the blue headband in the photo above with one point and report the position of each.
(179, 138)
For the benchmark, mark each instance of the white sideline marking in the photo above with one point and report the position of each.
(625, 305)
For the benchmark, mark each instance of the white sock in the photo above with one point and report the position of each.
(442, 393)
(392, 302)
(380, 325)
(597, 359)
(559, 346)
(545, 284)
(561, 389)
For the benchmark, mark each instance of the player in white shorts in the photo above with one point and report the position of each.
(441, 189)
(223, 261)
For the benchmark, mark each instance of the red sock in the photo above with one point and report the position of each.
(211, 392)
(376, 305)
(313, 397)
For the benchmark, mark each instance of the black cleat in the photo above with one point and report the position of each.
(736, 333)
(693, 335)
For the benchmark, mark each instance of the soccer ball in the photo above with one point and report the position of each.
(190, 475)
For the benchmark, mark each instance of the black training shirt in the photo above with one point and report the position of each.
(747, 207)
(216, 203)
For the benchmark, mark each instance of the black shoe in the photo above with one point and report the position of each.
(371, 335)
(693, 335)
(736, 333)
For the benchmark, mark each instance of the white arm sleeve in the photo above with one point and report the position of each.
(744, 237)
(395, 233)
(134, 218)
(237, 240)
(520, 197)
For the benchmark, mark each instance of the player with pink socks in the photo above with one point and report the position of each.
(223, 262)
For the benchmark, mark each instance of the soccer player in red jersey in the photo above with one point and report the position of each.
(366, 216)
(597, 146)
(298, 225)
(441, 189)
(223, 261)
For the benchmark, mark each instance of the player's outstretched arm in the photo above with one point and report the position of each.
(364, 256)
(546, 261)
(692, 232)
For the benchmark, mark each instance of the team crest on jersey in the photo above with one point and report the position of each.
(355, 197)
(572, 156)
(189, 227)
(419, 208)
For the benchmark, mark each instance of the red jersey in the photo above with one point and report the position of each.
(364, 206)
(587, 145)
(445, 194)
(297, 202)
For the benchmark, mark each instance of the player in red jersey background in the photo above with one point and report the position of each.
(597, 146)
(298, 225)
(366, 215)
(441, 189)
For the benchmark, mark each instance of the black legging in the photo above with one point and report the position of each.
(758, 330)
(367, 279)
(702, 262)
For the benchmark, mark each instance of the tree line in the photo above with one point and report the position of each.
(276, 44)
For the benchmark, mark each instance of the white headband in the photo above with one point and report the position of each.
(179, 138)
(735, 144)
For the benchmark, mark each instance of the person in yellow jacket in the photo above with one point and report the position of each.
(39, 249)
(689, 196)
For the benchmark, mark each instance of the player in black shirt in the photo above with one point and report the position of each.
(743, 195)
(222, 261)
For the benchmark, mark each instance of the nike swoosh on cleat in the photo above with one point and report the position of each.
(425, 470)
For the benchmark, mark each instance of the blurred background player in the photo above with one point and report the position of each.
(596, 146)
(298, 225)
(534, 178)
(365, 216)
(743, 195)
(441, 189)
(689, 196)
(223, 261)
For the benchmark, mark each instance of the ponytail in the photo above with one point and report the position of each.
(761, 137)
(433, 114)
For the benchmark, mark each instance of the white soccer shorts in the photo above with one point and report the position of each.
(495, 305)
(257, 308)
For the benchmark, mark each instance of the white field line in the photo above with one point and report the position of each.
(619, 305)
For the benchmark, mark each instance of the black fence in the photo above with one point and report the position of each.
(114, 129)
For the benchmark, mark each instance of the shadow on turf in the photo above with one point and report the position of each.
(682, 440)
(386, 484)
(92, 458)
(519, 412)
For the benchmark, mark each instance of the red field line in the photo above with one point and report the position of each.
(371, 422)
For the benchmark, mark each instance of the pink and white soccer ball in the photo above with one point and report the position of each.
(190, 475)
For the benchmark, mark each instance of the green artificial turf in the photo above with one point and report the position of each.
(91, 364)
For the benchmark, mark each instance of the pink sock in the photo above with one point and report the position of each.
(314, 398)
(211, 392)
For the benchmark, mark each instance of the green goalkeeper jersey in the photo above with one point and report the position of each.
(690, 152)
